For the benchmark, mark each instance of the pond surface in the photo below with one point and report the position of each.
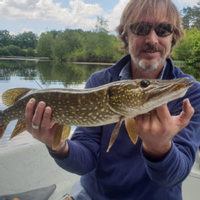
(31, 74)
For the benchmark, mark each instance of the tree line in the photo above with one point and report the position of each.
(69, 45)
(188, 49)
(79, 45)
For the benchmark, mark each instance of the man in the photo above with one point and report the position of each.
(162, 158)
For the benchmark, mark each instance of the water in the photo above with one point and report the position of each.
(35, 75)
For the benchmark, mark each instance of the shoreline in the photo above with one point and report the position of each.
(47, 59)
(91, 63)
(25, 58)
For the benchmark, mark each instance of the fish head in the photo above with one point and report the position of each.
(134, 97)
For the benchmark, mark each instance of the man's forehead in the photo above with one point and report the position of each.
(157, 15)
(154, 18)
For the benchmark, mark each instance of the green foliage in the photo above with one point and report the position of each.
(25, 40)
(188, 49)
(11, 50)
(5, 38)
(69, 45)
(44, 45)
(4, 52)
(59, 48)
(30, 52)
(191, 17)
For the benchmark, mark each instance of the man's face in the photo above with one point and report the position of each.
(150, 51)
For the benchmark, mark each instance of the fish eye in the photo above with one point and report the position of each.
(144, 83)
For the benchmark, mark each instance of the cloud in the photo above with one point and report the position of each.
(189, 2)
(78, 15)
(26, 30)
(113, 17)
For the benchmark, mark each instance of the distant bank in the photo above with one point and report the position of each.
(92, 63)
(47, 59)
(24, 58)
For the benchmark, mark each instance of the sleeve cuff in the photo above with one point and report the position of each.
(162, 164)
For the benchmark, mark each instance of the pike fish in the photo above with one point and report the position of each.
(110, 103)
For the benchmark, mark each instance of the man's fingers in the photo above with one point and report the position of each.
(163, 113)
(186, 113)
(45, 124)
(37, 117)
(29, 113)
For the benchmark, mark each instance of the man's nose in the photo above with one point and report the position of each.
(152, 37)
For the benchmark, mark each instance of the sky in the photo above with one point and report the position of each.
(18, 16)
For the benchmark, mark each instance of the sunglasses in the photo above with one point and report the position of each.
(144, 28)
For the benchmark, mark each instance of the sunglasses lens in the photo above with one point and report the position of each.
(144, 28)
(141, 28)
(164, 29)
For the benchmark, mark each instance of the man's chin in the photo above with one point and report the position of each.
(147, 65)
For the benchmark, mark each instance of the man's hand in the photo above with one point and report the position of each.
(41, 118)
(157, 128)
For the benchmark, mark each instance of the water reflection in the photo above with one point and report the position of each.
(48, 72)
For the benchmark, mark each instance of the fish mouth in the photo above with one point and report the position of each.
(181, 83)
(169, 89)
(175, 84)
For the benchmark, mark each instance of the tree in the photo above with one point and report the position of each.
(59, 48)
(191, 17)
(188, 49)
(5, 38)
(197, 16)
(44, 44)
(30, 52)
(15, 51)
(26, 40)
(101, 25)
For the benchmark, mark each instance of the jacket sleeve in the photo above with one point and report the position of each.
(176, 166)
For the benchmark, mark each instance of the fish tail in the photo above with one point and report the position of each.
(3, 124)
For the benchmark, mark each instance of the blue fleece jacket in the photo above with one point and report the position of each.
(125, 173)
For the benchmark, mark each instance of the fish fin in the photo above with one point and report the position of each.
(66, 132)
(19, 128)
(115, 133)
(130, 127)
(61, 133)
(9, 97)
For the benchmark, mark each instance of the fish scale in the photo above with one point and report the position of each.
(110, 103)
